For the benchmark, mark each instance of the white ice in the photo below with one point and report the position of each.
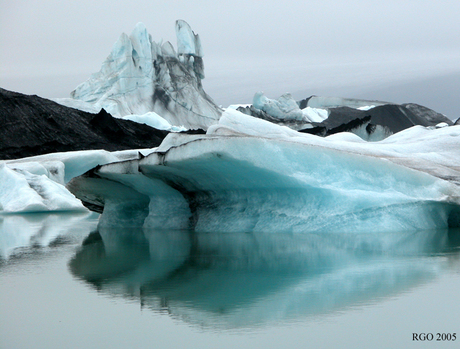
(285, 108)
(22, 191)
(154, 120)
(366, 107)
(37, 184)
(315, 114)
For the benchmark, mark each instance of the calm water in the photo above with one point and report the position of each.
(62, 285)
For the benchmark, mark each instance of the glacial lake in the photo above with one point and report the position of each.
(64, 285)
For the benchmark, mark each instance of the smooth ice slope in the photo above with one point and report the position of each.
(247, 174)
(141, 76)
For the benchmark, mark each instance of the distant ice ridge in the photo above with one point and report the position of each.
(141, 76)
(285, 108)
(324, 116)
(248, 174)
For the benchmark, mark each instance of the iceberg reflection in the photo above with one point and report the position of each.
(18, 232)
(239, 280)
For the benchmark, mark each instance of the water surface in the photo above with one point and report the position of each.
(64, 284)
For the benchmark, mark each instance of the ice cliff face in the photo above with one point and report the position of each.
(141, 76)
(247, 174)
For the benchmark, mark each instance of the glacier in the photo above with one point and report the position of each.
(141, 76)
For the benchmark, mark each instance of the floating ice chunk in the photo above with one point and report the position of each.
(21, 191)
(441, 125)
(61, 167)
(54, 170)
(154, 120)
(366, 107)
(285, 108)
(36, 184)
(315, 114)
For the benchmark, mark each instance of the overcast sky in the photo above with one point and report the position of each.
(47, 47)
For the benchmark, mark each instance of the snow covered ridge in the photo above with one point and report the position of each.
(248, 174)
(141, 76)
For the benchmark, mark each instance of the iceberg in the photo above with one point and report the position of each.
(38, 184)
(285, 108)
(275, 166)
(141, 76)
(324, 116)
(250, 175)
(22, 191)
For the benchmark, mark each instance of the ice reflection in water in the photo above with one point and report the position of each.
(250, 279)
(18, 232)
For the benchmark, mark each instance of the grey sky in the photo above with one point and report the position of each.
(47, 47)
